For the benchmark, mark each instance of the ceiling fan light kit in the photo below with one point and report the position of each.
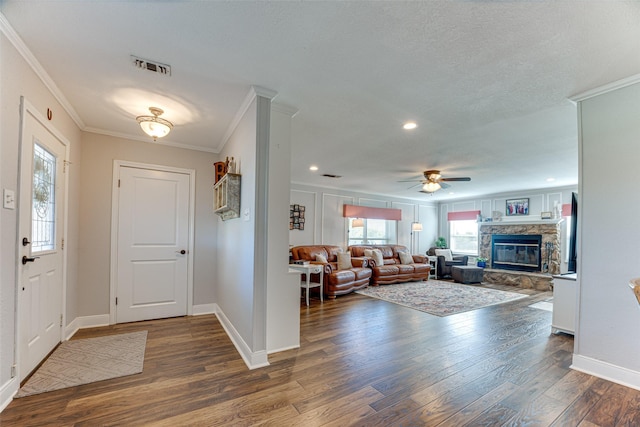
(431, 187)
(154, 126)
(433, 181)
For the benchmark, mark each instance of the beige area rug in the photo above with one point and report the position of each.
(438, 297)
(84, 361)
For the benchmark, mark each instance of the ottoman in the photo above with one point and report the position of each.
(466, 273)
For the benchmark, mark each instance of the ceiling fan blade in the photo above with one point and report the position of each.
(466, 178)
(443, 185)
(412, 180)
(415, 185)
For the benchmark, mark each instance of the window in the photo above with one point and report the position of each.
(43, 209)
(463, 236)
(374, 232)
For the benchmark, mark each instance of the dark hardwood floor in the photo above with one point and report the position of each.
(362, 362)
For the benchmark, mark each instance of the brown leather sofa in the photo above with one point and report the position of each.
(336, 282)
(392, 270)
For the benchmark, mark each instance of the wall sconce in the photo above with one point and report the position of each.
(154, 126)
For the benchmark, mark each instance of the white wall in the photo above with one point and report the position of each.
(236, 258)
(283, 291)
(607, 333)
(326, 225)
(98, 155)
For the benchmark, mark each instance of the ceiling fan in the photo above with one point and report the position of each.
(433, 181)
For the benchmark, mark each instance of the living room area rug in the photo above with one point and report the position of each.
(440, 298)
(84, 361)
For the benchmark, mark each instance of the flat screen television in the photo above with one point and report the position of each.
(573, 258)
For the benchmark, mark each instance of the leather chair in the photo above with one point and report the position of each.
(444, 267)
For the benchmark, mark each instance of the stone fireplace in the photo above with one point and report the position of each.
(527, 253)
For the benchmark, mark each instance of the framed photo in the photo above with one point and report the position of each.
(296, 217)
(517, 207)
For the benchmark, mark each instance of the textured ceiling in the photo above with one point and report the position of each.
(487, 82)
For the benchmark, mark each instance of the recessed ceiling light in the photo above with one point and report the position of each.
(550, 179)
(451, 192)
(313, 168)
(409, 126)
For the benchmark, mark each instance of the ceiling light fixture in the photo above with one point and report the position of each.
(431, 187)
(550, 179)
(154, 126)
(313, 168)
(409, 126)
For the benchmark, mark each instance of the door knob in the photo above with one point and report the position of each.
(182, 252)
(26, 259)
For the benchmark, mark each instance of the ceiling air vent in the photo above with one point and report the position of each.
(156, 67)
(328, 175)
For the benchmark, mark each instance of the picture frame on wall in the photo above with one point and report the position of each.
(517, 207)
(296, 217)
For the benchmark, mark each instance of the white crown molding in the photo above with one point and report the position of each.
(284, 109)
(253, 93)
(37, 68)
(619, 84)
(149, 140)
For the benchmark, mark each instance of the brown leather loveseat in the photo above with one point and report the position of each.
(336, 282)
(392, 269)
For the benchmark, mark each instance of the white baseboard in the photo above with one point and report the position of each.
(291, 347)
(85, 322)
(252, 359)
(607, 371)
(7, 391)
(201, 309)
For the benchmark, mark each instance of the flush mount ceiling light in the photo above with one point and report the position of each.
(154, 126)
(409, 126)
(431, 187)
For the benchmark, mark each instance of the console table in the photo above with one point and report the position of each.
(308, 270)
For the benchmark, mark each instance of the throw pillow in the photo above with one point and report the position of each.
(321, 258)
(446, 253)
(368, 253)
(344, 260)
(405, 258)
(377, 257)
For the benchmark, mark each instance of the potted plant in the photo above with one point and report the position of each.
(481, 262)
(441, 243)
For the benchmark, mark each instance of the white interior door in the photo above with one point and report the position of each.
(153, 238)
(42, 195)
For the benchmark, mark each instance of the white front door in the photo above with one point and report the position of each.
(42, 202)
(153, 239)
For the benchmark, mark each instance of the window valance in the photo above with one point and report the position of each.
(462, 215)
(353, 211)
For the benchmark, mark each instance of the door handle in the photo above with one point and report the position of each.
(182, 252)
(25, 241)
(26, 259)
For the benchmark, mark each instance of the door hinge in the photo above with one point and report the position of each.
(118, 183)
(116, 300)
(64, 165)
(62, 245)
(13, 371)
(60, 319)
